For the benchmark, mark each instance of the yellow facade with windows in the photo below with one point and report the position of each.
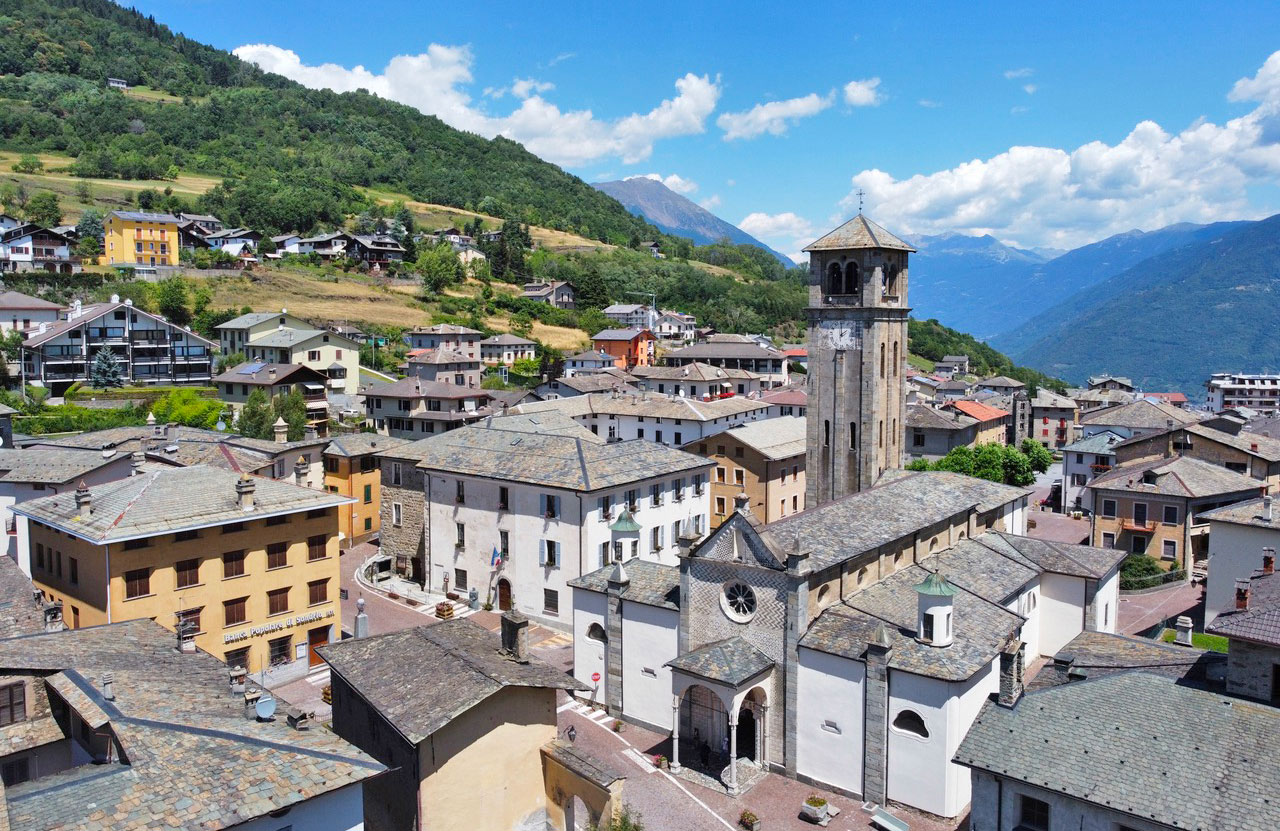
(139, 239)
(260, 593)
(359, 478)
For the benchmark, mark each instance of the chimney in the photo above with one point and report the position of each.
(1266, 509)
(1268, 560)
(1182, 628)
(109, 686)
(171, 432)
(1242, 595)
(281, 431)
(84, 500)
(310, 433)
(271, 373)
(300, 469)
(245, 487)
(1011, 686)
(515, 636)
(53, 617)
(136, 461)
(108, 451)
(362, 620)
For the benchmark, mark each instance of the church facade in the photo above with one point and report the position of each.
(850, 645)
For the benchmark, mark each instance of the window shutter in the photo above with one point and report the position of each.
(542, 504)
(542, 552)
(661, 536)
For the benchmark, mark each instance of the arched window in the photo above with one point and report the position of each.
(895, 358)
(853, 435)
(826, 433)
(852, 282)
(833, 279)
(862, 575)
(596, 633)
(891, 280)
(909, 721)
(882, 360)
(822, 594)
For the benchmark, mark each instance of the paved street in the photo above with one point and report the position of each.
(1139, 612)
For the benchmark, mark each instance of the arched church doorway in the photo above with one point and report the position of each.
(504, 595)
(747, 735)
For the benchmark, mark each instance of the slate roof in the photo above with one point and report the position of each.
(361, 444)
(453, 666)
(651, 584)
(1083, 740)
(1248, 512)
(1254, 444)
(1002, 381)
(620, 334)
(774, 438)
(17, 300)
(1060, 558)
(20, 612)
(733, 661)
(443, 329)
(170, 499)
(1175, 476)
(192, 446)
(442, 355)
(90, 313)
(287, 337)
(719, 350)
(1098, 654)
(696, 371)
(599, 382)
(1260, 623)
(413, 387)
(649, 405)
(1049, 399)
(1099, 443)
(1139, 415)
(924, 417)
(894, 508)
(50, 465)
(592, 355)
(566, 460)
(953, 385)
(858, 232)
(251, 319)
(506, 339)
(263, 377)
(194, 759)
(578, 761)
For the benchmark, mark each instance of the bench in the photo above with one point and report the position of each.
(883, 819)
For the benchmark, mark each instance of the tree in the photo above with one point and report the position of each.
(267, 246)
(522, 323)
(959, 460)
(28, 163)
(293, 409)
(230, 361)
(184, 406)
(527, 367)
(255, 416)
(1037, 454)
(988, 462)
(1017, 468)
(105, 372)
(43, 209)
(172, 299)
(90, 230)
(439, 268)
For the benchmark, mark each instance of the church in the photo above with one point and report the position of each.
(850, 645)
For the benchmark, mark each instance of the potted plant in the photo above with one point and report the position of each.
(617, 725)
(814, 809)
(748, 820)
(660, 762)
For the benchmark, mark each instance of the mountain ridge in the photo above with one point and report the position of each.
(678, 215)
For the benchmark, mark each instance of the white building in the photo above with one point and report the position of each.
(515, 507)
(736, 352)
(631, 315)
(32, 248)
(1228, 390)
(20, 312)
(591, 360)
(1238, 535)
(850, 645)
(664, 419)
(281, 338)
(505, 350)
(1083, 460)
(447, 336)
(697, 380)
(676, 326)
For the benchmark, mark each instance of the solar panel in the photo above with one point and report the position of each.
(252, 368)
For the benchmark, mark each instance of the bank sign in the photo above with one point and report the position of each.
(276, 626)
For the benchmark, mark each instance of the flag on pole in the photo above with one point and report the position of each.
(497, 558)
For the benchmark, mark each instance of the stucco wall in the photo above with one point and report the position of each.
(1061, 611)
(649, 641)
(589, 654)
(917, 767)
(995, 808)
(829, 722)
(1235, 551)
(1250, 669)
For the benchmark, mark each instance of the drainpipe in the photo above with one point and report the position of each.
(106, 550)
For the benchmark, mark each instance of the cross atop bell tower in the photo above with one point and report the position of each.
(857, 351)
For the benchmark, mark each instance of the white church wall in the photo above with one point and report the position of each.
(649, 641)
(1061, 611)
(970, 696)
(1027, 604)
(917, 774)
(1235, 552)
(829, 719)
(1106, 604)
(588, 654)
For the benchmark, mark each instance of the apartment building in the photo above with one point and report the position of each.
(238, 383)
(764, 461)
(631, 315)
(665, 419)
(412, 408)
(736, 352)
(244, 567)
(514, 507)
(351, 470)
(506, 349)
(1252, 454)
(446, 336)
(1228, 390)
(139, 238)
(280, 338)
(445, 366)
(147, 348)
(629, 348)
(697, 380)
(20, 312)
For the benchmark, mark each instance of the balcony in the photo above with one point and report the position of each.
(1099, 468)
(1138, 527)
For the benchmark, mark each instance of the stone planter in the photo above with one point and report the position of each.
(817, 814)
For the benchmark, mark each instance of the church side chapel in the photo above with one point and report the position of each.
(850, 645)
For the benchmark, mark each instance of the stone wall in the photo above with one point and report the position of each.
(1249, 669)
(407, 540)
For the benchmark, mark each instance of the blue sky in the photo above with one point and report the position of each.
(1048, 129)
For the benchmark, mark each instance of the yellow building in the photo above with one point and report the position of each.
(245, 567)
(136, 238)
(763, 460)
(351, 469)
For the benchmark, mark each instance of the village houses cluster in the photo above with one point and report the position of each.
(721, 531)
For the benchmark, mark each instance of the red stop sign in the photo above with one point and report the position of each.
(595, 676)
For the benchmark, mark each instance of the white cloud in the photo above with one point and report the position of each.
(1021, 72)
(1018, 109)
(711, 202)
(772, 117)
(784, 232)
(1029, 89)
(1047, 196)
(931, 104)
(563, 56)
(863, 93)
(435, 82)
(675, 181)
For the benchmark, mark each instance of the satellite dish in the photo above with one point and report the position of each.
(265, 708)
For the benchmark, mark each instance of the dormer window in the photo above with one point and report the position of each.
(1149, 478)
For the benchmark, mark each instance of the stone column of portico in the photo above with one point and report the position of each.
(762, 758)
(733, 755)
(675, 734)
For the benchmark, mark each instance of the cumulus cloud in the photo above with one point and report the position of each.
(1021, 72)
(435, 82)
(711, 202)
(788, 232)
(772, 117)
(1048, 196)
(675, 181)
(863, 93)
(1029, 89)
(929, 103)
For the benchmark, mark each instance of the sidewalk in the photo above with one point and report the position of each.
(1140, 612)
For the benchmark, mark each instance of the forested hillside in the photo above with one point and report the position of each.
(301, 149)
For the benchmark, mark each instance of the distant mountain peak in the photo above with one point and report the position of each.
(678, 215)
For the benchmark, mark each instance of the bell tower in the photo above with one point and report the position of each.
(857, 351)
